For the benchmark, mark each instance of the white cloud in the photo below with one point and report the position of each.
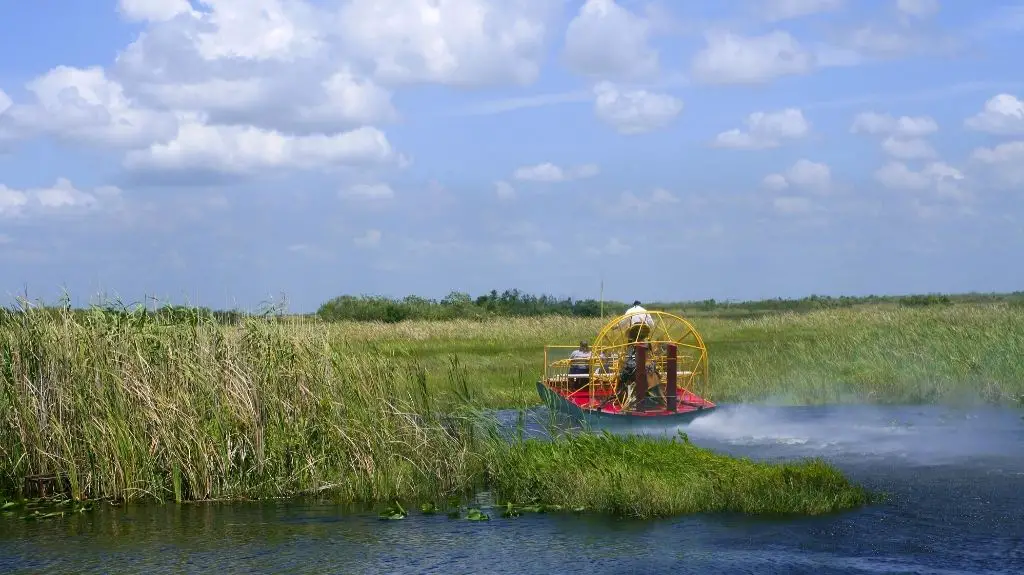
(1003, 114)
(904, 136)
(548, 172)
(908, 148)
(918, 8)
(775, 182)
(904, 126)
(154, 10)
(1005, 162)
(370, 239)
(5, 102)
(778, 10)
(452, 42)
(867, 42)
(242, 149)
(613, 247)
(504, 190)
(810, 175)
(83, 105)
(804, 175)
(659, 197)
(730, 58)
(938, 177)
(11, 201)
(368, 192)
(792, 205)
(766, 130)
(61, 197)
(608, 41)
(634, 111)
(257, 30)
(233, 85)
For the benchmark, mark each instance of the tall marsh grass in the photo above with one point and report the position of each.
(121, 406)
(885, 353)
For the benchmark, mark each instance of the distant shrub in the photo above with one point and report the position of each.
(925, 300)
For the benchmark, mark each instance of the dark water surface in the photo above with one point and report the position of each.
(955, 479)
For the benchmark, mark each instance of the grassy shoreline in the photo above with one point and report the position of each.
(122, 407)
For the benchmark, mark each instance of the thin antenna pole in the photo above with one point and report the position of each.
(602, 297)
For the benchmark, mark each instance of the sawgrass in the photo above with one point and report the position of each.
(120, 406)
(647, 477)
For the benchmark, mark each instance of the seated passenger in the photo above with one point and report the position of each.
(580, 358)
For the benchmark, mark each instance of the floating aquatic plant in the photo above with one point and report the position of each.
(393, 512)
(43, 508)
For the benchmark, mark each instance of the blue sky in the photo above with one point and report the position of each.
(226, 152)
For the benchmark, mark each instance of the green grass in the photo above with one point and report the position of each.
(645, 477)
(128, 408)
(884, 353)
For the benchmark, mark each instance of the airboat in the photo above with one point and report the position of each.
(643, 366)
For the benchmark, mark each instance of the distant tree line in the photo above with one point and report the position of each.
(509, 303)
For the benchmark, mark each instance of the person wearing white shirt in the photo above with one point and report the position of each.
(580, 364)
(640, 322)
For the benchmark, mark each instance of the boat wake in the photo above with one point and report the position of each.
(925, 435)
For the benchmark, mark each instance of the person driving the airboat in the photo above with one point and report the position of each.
(639, 321)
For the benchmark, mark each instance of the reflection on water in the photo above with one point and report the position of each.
(956, 480)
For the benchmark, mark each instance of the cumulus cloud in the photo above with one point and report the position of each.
(634, 111)
(885, 124)
(154, 10)
(241, 150)
(227, 86)
(1005, 163)
(904, 136)
(791, 188)
(83, 105)
(938, 177)
(918, 8)
(613, 247)
(766, 130)
(908, 148)
(368, 192)
(1003, 114)
(792, 205)
(61, 197)
(606, 40)
(778, 10)
(658, 198)
(729, 58)
(803, 175)
(504, 190)
(548, 172)
(775, 182)
(457, 42)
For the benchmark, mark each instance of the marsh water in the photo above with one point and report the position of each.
(955, 480)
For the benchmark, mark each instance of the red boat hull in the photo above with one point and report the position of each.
(581, 404)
